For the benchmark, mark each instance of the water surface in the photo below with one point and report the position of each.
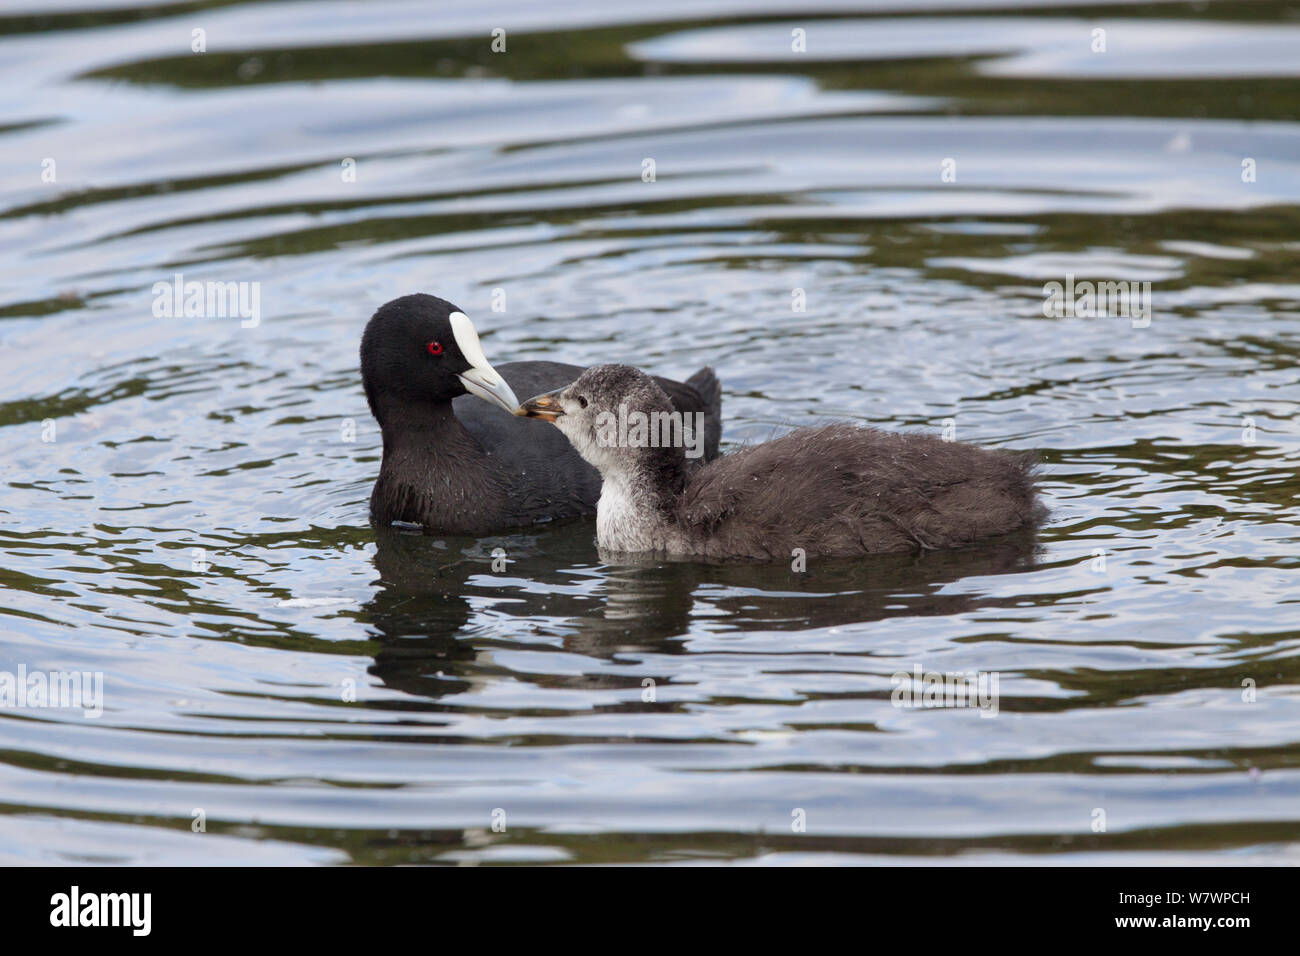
(327, 693)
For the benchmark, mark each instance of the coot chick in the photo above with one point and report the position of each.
(836, 491)
(456, 465)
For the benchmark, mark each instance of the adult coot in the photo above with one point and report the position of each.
(836, 490)
(457, 465)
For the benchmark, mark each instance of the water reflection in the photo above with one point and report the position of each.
(424, 601)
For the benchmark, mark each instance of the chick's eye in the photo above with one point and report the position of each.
(582, 401)
(435, 348)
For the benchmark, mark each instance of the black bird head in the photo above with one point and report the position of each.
(422, 350)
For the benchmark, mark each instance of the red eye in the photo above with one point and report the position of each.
(435, 348)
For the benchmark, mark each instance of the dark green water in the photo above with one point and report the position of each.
(1171, 449)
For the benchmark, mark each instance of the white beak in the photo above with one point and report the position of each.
(483, 381)
(480, 378)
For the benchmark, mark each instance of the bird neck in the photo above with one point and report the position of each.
(403, 423)
(637, 502)
(434, 473)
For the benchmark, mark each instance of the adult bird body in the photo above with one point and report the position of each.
(456, 460)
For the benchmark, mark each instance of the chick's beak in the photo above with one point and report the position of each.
(545, 406)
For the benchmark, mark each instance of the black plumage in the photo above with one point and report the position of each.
(452, 462)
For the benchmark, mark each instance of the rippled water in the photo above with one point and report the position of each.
(184, 506)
